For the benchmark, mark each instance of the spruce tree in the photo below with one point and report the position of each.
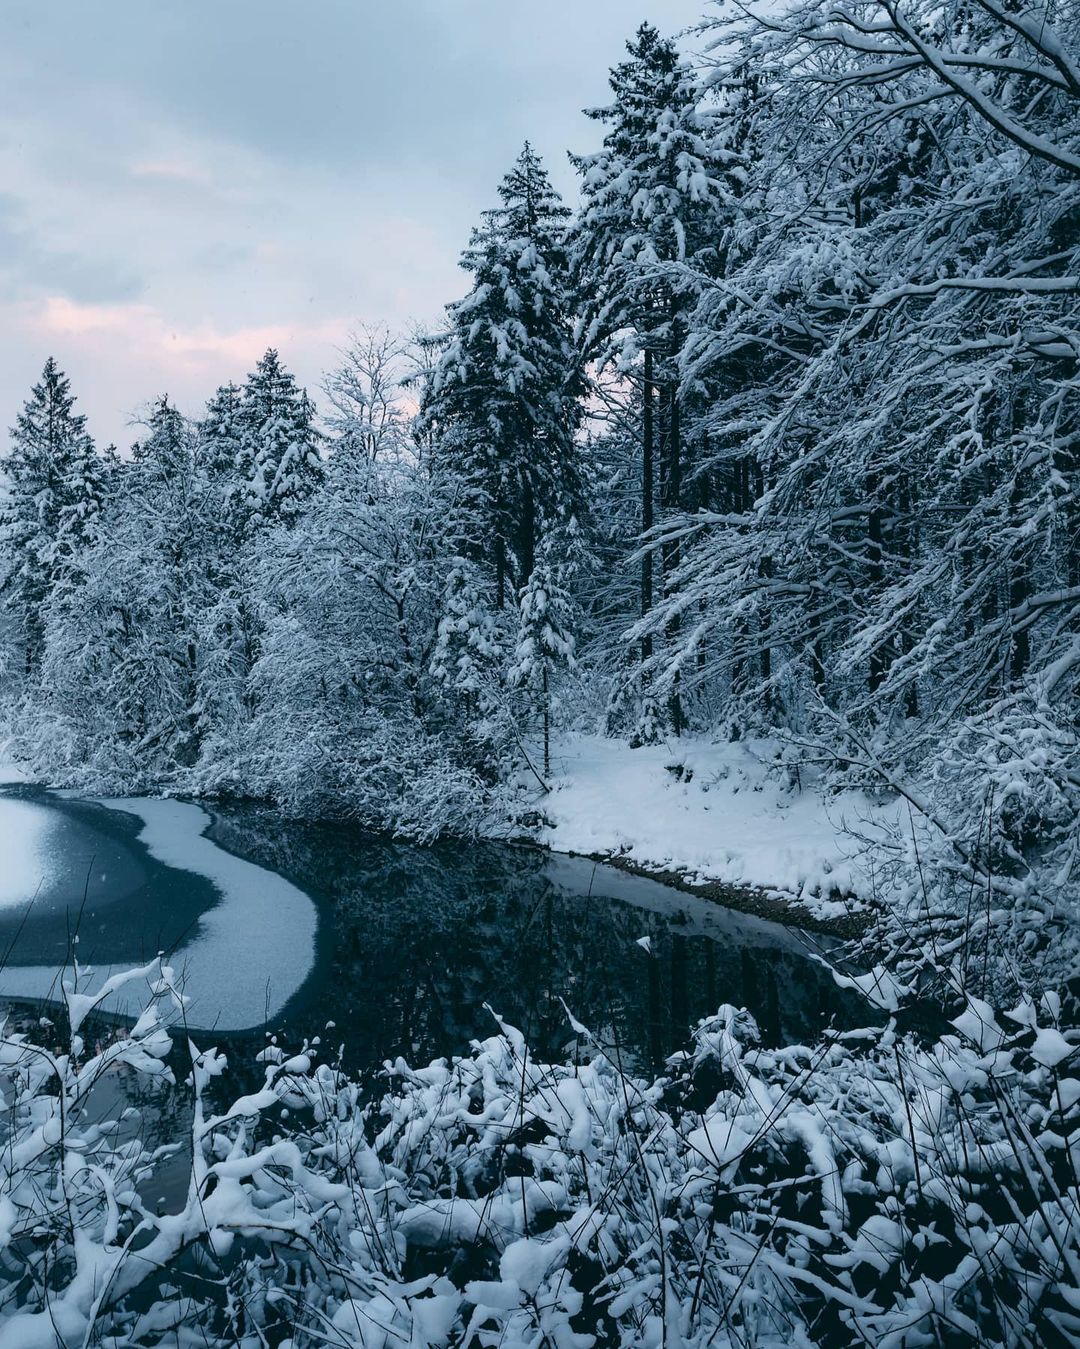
(278, 459)
(645, 243)
(221, 434)
(469, 650)
(53, 494)
(169, 576)
(219, 454)
(505, 398)
(545, 641)
(83, 494)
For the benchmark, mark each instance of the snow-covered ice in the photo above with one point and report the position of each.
(250, 953)
(27, 859)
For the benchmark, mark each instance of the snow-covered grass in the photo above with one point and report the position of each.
(869, 1189)
(719, 812)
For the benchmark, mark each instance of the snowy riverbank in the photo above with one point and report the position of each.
(711, 813)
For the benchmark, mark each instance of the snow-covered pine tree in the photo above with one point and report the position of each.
(470, 647)
(220, 433)
(117, 694)
(505, 397)
(170, 578)
(83, 493)
(53, 495)
(219, 449)
(279, 461)
(545, 640)
(645, 243)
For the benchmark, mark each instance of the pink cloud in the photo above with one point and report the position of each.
(203, 346)
(119, 356)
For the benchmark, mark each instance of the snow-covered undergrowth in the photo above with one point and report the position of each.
(975, 857)
(976, 869)
(867, 1189)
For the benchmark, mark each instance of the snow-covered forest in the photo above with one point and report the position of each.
(773, 437)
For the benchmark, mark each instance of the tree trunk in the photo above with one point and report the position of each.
(765, 620)
(671, 491)
(647, 496)
(500, 573)
(875, 556)
(528, 533)
(547, 727)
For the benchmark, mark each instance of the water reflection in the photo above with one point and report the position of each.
(416, 941)
(320, 929)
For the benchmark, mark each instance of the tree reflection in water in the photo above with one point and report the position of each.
(416, 940)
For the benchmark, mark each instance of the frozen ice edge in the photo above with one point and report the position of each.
(251, 952)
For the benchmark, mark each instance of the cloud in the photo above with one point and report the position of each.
(187, 363)
(188, 183)
(27, 264)
(203, 348)
(174, 170)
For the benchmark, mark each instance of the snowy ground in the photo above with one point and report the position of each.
(721, 818)
(11, 773)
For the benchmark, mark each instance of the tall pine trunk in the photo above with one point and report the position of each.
(765, 571)
(547, 727)
(647, 497)
(670, 496)
(500, 573)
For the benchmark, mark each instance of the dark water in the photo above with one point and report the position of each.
(408, 944)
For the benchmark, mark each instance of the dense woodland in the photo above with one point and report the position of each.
(776, 432)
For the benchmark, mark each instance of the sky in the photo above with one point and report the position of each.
(184, 183)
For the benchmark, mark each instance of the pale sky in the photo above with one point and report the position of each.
(186, 182)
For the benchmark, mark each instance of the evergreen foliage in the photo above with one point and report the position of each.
(506, 394)
(780, 426)
(54, 490)
(278, 452)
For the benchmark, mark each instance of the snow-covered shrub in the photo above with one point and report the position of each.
(867, 1189)
(976, 874)
(1010, 776)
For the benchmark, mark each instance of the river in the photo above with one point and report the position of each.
(304, 930)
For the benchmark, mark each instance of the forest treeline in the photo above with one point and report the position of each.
(776, 433)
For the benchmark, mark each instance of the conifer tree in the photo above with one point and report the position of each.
(506, 394)
(83, 493)
(278, 456)
(545, 641)
(169, 562)
(220, 435)
(645, 243)
(469, 642)
(54, 492)
(219, 451)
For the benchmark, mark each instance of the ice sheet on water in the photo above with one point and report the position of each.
(250, 952)
(27, 857)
